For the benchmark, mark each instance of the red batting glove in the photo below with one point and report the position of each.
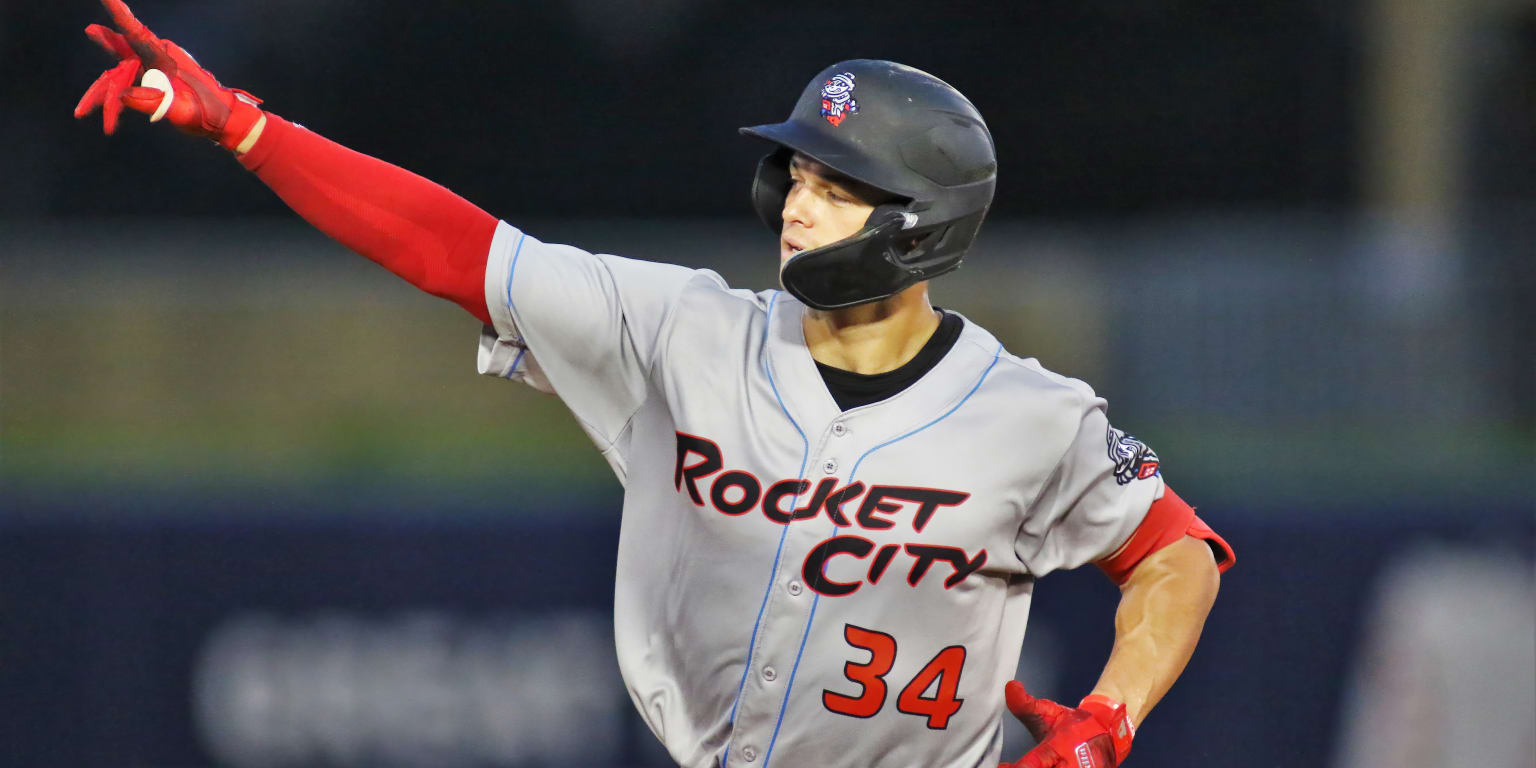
(1097, 734)
(200, 105)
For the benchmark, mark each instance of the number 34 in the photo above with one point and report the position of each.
(870, 676)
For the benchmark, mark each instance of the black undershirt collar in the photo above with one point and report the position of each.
(852, 390)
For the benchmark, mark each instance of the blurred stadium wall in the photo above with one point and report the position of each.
(257, 510)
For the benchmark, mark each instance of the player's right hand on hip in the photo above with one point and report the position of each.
(1095, 734)
(158, 78)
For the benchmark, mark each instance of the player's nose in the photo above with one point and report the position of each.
(796, 208)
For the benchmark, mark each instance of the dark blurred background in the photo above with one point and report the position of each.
(257, 510)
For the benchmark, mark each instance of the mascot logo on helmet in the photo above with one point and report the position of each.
(837, 101)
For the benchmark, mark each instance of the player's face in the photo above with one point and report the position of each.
(822, 207)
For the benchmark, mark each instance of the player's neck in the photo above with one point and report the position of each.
(872, 338)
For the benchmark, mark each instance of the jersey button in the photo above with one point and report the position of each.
(829, 466)
(795, 588)
(769, 674)
(748, 754)
(839, 429)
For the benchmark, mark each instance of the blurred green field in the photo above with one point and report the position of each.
(280, 360)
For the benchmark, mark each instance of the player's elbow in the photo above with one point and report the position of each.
(1198, 571)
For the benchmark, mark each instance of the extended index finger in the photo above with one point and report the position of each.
(150, 49)
(110, 41)
(123, 18)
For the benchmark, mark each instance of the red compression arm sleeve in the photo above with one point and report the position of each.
(416, 229)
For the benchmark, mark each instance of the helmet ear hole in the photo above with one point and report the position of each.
(943, 238)
(928, 244)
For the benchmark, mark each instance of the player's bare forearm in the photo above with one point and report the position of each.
(1157, 625)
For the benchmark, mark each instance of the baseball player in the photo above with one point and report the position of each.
(837, 497)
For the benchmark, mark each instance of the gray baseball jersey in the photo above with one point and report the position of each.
(800, 585)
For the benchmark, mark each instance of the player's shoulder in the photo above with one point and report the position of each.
(1027, 383)
(711, 315)
(698, 288)
(707, 290)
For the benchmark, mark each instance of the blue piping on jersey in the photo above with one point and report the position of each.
(995, 356)
(512, 270)
(790, 684)
(772, 575)
(513, 370)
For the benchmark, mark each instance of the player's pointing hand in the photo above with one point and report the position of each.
(1097, 734)
(170, 85)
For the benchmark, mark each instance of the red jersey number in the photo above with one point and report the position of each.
(942, 674)
(869, 676)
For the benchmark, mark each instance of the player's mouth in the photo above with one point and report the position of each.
(788, 248)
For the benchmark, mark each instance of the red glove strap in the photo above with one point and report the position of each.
(1111, 714)
(243, 116)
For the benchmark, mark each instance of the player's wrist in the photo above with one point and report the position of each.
(252, 136)
(243, 128)
(1111, 714)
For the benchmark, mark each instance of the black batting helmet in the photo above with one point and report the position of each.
(900, 130)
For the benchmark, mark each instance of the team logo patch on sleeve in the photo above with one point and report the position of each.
(1133, 459)
(837, 101)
